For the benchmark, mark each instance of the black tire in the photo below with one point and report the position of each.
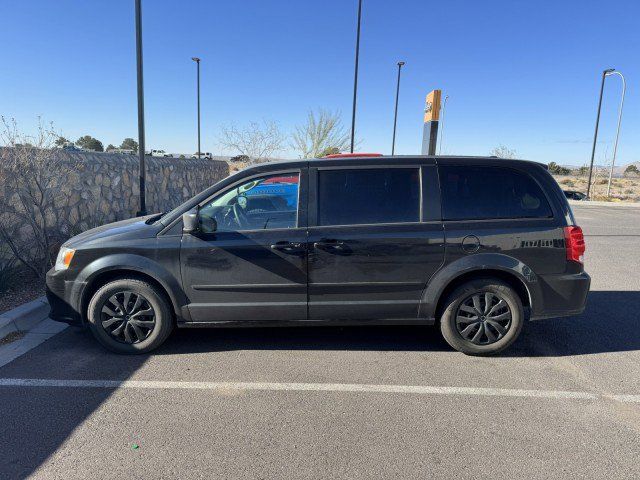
(487, 335)
(141, 332)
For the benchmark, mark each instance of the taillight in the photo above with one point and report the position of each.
(574, 243)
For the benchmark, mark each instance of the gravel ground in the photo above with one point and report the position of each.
(26, 287)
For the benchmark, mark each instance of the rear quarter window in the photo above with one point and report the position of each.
(479, 193)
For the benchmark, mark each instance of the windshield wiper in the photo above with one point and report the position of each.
(155, 218)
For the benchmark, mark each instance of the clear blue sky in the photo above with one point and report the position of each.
(520, 73)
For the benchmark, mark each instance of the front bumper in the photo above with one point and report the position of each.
(64, 298)
(561, 295)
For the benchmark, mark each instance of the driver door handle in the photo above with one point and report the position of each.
(286, 246)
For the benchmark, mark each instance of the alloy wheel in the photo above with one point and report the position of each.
(483, 318)
(128, 317)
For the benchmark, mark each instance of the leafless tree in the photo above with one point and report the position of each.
(31, 177)
(503, 152)
(323, 132)
(258, 141)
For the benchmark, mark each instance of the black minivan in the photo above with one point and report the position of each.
(477, 245)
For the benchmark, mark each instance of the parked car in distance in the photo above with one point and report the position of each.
(240, 159)
(70, 146)
(476, 245)
(158, 153)
(122, 151)
(207, 155)
(574, 195)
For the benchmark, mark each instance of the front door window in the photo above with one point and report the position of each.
(263, 203)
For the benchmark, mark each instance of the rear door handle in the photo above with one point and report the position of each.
(329, 243)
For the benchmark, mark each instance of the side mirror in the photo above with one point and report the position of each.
(190, 223)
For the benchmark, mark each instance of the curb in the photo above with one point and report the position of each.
(24, 317)
(593, 203)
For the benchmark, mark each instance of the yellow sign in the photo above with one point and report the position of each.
(432, 107)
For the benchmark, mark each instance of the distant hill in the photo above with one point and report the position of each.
(618, 170)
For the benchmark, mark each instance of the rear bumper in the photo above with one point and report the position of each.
(561, 295)
(63, 296)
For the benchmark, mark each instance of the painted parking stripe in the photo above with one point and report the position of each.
(308, 387)
(625, 398)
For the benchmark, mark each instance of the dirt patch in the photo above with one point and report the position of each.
(626, 189)
(25, 287)
(12, 337)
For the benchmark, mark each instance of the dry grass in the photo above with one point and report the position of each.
(622, 189)
(237, 166)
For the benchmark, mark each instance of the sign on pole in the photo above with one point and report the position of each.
(431, 119)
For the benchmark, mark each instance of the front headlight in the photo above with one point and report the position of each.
(65, 255)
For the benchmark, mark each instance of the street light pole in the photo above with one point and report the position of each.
(615, 145)
(595, 135)
(197, 60)
(141, 146)
(444, 105)
(395, 115)
(355, 78)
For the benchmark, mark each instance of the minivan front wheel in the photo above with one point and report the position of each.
(130, 316)
(482, 317)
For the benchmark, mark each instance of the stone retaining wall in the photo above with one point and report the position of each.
(84, 190)
(107, 186)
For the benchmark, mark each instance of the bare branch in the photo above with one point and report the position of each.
(503, 152)
(31, 177)
(258, 141)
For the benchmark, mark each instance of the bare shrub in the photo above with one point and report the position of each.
(258, 141)
(321, 134)
(31, 180)
(503, 152)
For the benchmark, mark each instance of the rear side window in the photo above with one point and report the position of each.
(366, 196)
(474, 193)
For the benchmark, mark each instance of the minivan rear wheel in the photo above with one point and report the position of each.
(130, 316)
(482, 317)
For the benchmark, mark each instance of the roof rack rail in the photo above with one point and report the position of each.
(347, 155)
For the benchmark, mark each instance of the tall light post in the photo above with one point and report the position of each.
(395, 115)
(595, 135)
(141, 147)
(615, 145)
(355, 77)
(444, 105)
(197, 60)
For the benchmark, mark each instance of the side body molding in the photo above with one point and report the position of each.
(476, 263)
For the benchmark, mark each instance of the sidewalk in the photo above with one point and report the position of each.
(589, 203)
(31, 325)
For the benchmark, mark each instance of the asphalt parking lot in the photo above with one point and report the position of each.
(376, 402)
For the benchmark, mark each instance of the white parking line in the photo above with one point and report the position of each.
(313, 387)
(625, 398)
